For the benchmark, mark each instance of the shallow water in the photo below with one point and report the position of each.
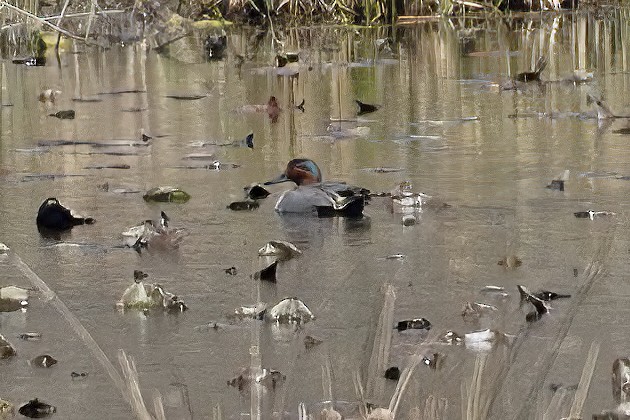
(492, 171)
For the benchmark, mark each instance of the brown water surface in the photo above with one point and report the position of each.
(492, 170)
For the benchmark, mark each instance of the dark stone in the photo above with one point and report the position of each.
(414, 324)
(392, 373)
(243, 205)
(231, 271)
(257, 192)
(215, 46)
(31, 61)
(267, 273)
(366, 108)
(64, 115)
(45, 360)
(53, 216)
(310, 342)
(36, 409)
(556, 184)
(30, 336)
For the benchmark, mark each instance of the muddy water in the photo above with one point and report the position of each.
(491, 169)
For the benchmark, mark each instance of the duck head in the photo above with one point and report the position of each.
(300, 171)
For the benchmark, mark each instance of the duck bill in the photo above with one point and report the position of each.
(278, 180)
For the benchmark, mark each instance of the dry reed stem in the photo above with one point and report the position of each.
(158, 406)
(76, 325)
(382, 342)
(555, 408)
(585, 382)
(134, 395)
(405, 376)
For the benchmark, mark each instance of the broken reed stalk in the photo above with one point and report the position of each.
(158, 407)
(555, 408)
(217, 413)
(405, 376)
(40, 20)
(76, 325)
(327, 381)
(382, 342)
(133, 386)
(585, 382)
(475, 398)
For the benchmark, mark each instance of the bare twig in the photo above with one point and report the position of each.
(40, 20)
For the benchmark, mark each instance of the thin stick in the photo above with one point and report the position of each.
(40, 20)
(63, 12)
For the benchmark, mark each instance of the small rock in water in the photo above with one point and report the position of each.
(282, 249)
(451, 338)
(413, 324)
(481, 340)
(243, 205)
(396, 257)
(289, 311)
(310, 342)
(49, 95)
(575, 272)
(13, 293)
(435, 361)
(556, 184)
(11, 305)
(476, 309)
(166, 195)
(268, 273)
(408, 220)
(44, 361)
(591, 214)
(257, 311)
(392, 373)
(256, 192)
(268, 377)
(7, 410)
(495, 290)
(510, 261)
(621, 380)
(231, 271)
(37, 409)
(6, 350)
(64, 115)
(31, 61)
(30, 336)
(366, 108)
(77, 375)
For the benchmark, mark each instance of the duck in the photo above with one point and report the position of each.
(53, 216)
(313, 196)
